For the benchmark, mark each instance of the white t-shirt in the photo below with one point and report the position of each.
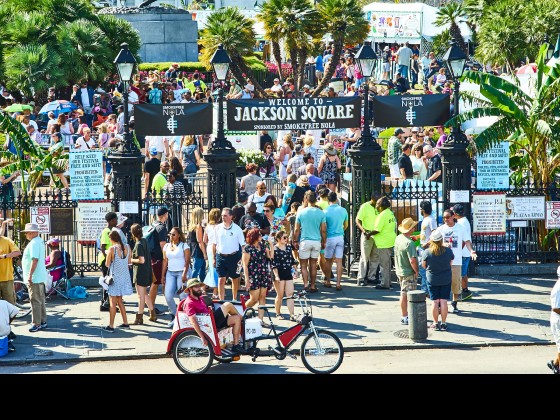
(85, 97)
(155, 141)
(175, 256)
(175, 143)
(259, 201)
(227, 240)
(7, 311)
(82, 144)
(428, 225)
(453, 238)
(464, 223)
(404, 55)
(132, 99)
(555, 300)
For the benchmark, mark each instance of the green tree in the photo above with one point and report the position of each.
(235, 32)
(452, 14)
(345, 21)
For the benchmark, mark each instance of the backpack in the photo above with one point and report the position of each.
(70, 272)
(150, 234)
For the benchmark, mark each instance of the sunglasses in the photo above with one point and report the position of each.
(172, 234)
(267, 211)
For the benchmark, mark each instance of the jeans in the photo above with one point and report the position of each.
(422, 272)
(199, 269)
(403, 70)
(173, 282)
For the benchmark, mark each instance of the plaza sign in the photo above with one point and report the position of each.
(293, 114)
(410, 110)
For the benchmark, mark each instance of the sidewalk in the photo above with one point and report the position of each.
(503, 311)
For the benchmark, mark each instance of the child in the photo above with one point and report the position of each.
(289, 192)
(554, 365)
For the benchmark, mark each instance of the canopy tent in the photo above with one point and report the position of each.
(404, 22)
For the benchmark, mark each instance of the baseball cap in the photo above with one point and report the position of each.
(162, 211)
(153, 150)
(459, 209)
(415, 129)
(386, 49)
(53, 241)
(298, 148)
(399, 131)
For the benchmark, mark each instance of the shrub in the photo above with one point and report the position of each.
(248, 156)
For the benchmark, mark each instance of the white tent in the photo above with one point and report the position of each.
(404, 22)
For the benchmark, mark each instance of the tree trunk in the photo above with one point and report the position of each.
(278, 58)
(457, 36)
(332, 68)
(302, 53)
(295, 64)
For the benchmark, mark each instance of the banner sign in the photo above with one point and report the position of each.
(86, 175)
(489, 214)
(492, 168)
(294, 114)
(410, 110)
(394, 24)
(525, 208)
(173, 119)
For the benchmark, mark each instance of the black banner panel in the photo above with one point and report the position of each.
(293, 114)
(173, 119)
(410, 110)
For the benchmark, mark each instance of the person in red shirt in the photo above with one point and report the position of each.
(224, 316)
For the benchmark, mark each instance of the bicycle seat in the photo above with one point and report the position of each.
(266, 307)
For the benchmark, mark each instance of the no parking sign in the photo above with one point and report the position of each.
(42, 217)
(553, 214)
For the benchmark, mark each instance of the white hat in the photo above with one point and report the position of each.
(250, 87)
(31, 227)
(386, 48)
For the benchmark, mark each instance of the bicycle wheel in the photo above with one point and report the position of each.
(22, 298)
(322, 354)
(190, 355)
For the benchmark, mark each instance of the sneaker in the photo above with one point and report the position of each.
(454, 308)
(109, 329)
(43, 325)
(12, 336)
(443, 327)
(34, 328)
(555, 369)
(11, 347)
(404, 320)
(379, 287)
(171, 323)
(435, 326)
(466, 294)
(237, 349)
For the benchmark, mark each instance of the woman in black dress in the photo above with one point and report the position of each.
(256, 256)
(283, 268)
(141, 273)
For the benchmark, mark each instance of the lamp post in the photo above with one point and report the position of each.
(455, 159)
(126, 160)
(221, 158)
(366, 153)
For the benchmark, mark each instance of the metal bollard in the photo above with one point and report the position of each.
(417, 318)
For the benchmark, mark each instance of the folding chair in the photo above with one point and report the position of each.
(61, 286)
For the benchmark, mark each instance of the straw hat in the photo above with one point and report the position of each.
(307, 140)
(407, 225)
(329, 148)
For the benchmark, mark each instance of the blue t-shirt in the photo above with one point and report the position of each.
(438, 270)
(34, 249)
(319, 63)
(310, 219)
(335, 217)
(314, 181)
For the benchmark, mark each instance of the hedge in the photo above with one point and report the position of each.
(254, 63)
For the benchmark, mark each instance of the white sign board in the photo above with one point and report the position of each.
(459, 196)
(247, 140)
(42, 217)
(492, 168)
(90, 219)
(128, 207)
(86, 175)
(552, 214)
(525, 208)
(489, 214)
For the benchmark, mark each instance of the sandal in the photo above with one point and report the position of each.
(435, 326)
(338, 288)
(327, 285)
(279, 316)
(315, 290)
(293, 318)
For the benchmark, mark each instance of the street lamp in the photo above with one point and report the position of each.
(366, 154)
(367, 61)
(127, 159)
(221, 158)
(125, 62)
(455, 59)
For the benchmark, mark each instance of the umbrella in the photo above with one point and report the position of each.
(58, 107)
(18, 108)
(530, 68)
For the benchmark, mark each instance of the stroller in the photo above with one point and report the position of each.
(60, 287)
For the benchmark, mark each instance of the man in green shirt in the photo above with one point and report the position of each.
(384, 234)
(160, 180)
(406, 263)
(365, 221)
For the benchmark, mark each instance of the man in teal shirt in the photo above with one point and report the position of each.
(337, 222)
(35, 274)
(310, 236)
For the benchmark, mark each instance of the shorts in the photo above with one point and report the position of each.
(219, 318)
(465, 266)
(284, 275)
(439, 292)
(408, 283)
(456, 279)
(7, 291)
(334, 247)
(226, 266)
(386, 67)
(156, 271)
(309, 249)
(555, 328)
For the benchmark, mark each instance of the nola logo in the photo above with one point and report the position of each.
(411, 103)
(172, 111)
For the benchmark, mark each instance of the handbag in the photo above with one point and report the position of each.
(108, 279)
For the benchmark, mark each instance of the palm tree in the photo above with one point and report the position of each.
(268, 16)
(345, 21)
(529, 122)
(235, 32)
(451, 14)
(116, 32)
